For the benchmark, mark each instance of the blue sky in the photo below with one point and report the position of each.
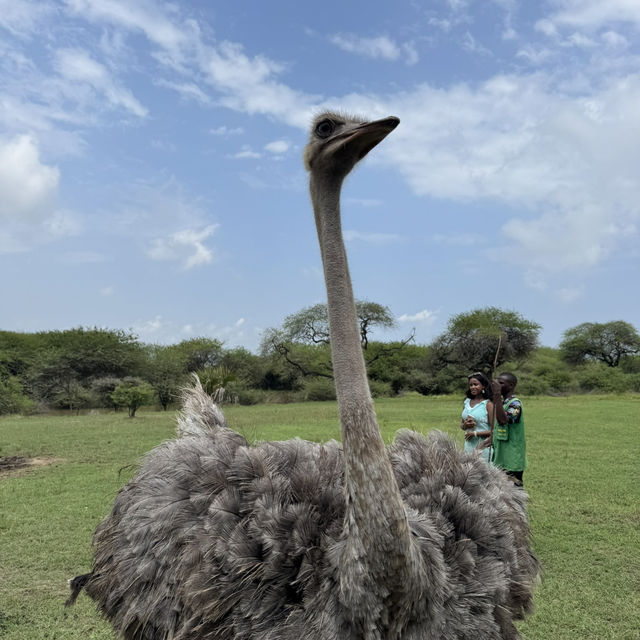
(151, 176)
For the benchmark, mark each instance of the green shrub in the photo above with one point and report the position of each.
(533, 386)
(381, 389)
(283, 397)
(445, 381)
(630, 364)
(12, 398)
(247, 397)
(320, 389)
(73, 396)
(417, 380)
(103, 388)
(634, 382)
(603, 379)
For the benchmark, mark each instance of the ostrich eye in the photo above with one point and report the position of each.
(324, 129)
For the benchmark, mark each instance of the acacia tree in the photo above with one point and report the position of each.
(132, 393)
(168, 366)
(166, 372)
(607, 342)
(303, 340)
(311, 324)
(66, 359)
(198, 353)
(483, 339)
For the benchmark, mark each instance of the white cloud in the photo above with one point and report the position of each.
(534, 54)
(226, 131)
(379, 47)
(569, 294)
(248, 84)
(424, 317)
(27, 186)
(107, 291)
(28, 198)
(63, 224)
(77, 66)
(565, 164)
(371, 238)
(186, 246)
(614, 40)
(535, 280)
(247, 153)
(149, 330)
(364, 202)
(581, 41)
(144, 16)
(187, 91)
(458, 5)
(245, 83)
(277, 146)
(469, 43)
(547, 27)
(161, 330)
(593, 14)
(459, 239)
(22, 18)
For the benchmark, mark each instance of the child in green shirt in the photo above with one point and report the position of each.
(509, 446)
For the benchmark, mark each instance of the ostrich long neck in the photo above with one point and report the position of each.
(375, 524)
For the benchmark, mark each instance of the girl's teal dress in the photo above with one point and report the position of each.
(479, 412)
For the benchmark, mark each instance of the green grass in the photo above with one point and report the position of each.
(582, 477)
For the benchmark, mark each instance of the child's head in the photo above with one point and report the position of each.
(478, 386)
(507, 382)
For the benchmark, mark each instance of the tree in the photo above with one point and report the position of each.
(12, 397)
(132, 394)
(166, 372)
(607, 342)
(311, 324)
(167, 367)
(198, 353)
(248, 368)
(73, 396)
(73, 357)
(303, 341)
(291, 360)
(102, 389)
(482, 339)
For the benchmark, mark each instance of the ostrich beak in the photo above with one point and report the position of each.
(357, 141)
(367, 135)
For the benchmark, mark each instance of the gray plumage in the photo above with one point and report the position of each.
(214, 539)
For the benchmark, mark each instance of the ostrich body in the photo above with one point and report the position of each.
(214, 539)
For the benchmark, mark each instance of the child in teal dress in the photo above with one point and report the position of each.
(477, 415)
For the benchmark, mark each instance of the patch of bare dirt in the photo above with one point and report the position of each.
(13, 464)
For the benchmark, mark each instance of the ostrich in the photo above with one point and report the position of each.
(214, 539)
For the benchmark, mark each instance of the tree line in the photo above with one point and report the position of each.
(94, 367)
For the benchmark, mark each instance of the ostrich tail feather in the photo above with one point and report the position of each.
(200, 414)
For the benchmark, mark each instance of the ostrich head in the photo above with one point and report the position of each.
(339, 141)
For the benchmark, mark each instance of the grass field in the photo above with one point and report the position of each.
(583, 480)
